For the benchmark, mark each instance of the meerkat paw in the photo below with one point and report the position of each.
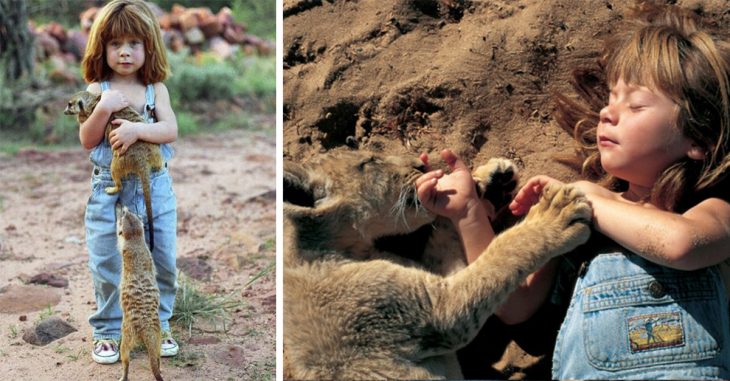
(111, 190)
(565, 213)
(496, 181)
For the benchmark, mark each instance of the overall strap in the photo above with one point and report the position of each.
(150, 102)
(104, 85)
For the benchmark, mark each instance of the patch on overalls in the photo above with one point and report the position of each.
(647, 332)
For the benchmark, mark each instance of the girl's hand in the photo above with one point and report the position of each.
(450, 195)
(530, 194)
(123, 136)
(113, 100)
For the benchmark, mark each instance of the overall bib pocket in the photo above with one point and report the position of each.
(646, 320)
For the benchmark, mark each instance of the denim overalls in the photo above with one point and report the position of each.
(631, 318)
(105, 262)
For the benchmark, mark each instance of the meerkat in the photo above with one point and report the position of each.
(140, 159)
(139, 295)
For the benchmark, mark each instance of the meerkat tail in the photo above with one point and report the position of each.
(145, 178)
(153, 341)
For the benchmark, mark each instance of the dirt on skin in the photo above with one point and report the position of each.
(225, 187)
(477, 76)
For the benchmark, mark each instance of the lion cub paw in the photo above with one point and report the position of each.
(566, 212)
(496, 181)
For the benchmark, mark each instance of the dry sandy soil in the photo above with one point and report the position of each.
(225, 185)
(410, 76)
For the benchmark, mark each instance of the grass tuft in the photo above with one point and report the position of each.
(191, 305)
(46, 313)
(13, 331)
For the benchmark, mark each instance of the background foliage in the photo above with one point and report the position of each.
(258, 15)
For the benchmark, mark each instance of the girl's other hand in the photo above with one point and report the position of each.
(123, 136)
(530, 194)
(449, 195)
(113, 100)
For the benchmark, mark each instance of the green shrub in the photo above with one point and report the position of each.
(257, 78)
(65, 12)
(258, 15)
(186, 123)
(53, 127)
(191, 82)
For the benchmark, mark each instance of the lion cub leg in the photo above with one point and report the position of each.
(496, 182)
(558, 223)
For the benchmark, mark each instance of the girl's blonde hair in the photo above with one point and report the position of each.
(125, 18)
(666, 50)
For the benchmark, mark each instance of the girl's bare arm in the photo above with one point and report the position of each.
(165, 129)
(698, 238)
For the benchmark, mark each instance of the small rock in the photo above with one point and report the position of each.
(47, 331)
(52, 280)
(194, 36)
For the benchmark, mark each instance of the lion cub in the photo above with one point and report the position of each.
(354, 313)
(140, 297)
(140, 159)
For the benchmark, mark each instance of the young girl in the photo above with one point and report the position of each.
(125, 61)
(652, 302)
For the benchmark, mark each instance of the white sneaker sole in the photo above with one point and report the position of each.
(105, 359)
(169, 352)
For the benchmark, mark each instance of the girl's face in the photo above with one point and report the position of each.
(125, 55)
(637, 136)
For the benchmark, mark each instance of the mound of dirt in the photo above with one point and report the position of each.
(412, 76)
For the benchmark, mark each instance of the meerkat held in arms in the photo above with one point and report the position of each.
(140, 297)
(140, 159)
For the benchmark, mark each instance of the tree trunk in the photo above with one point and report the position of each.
(16, 42)
(16, 65)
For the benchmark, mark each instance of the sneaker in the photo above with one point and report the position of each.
(106, 351)
(169, 345)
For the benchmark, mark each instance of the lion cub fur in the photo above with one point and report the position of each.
(139, 295)
(354, 312)
(141, 158)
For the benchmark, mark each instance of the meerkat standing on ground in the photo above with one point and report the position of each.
(140, 297)
(140, 159)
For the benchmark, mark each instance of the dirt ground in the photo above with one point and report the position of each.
(421, 75)
(477, 76)
(225, 186)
